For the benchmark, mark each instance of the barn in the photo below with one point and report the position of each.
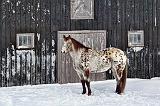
(31, 37)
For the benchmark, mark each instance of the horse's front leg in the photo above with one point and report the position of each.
(82, 81)
(88, 86)
(83, 86)
(85, 80)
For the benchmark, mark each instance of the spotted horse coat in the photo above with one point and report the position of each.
(101, 61)
(87, 60)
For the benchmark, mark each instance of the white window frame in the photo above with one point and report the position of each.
(136, 38)
(25, 46)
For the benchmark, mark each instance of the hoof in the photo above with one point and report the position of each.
(84, 92)
(89, 93)
(120, 93)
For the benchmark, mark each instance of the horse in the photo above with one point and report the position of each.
(87, 61)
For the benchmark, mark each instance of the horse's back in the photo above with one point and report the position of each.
(106, 58)
(115, 54)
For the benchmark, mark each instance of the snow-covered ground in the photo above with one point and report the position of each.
(138, 93)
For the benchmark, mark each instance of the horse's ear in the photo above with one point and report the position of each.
(69, 36)
(64, 36)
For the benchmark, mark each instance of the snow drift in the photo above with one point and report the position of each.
(138, 92)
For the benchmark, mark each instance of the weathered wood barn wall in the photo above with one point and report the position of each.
(46, 17)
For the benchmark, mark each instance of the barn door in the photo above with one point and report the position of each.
(94, 39)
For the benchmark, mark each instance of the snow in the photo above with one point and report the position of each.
(38, 35)
(8, 1)
(18, 2)
(139, 92)
(158, 52)
(136, 49)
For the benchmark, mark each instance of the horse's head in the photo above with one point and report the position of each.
(67, 46)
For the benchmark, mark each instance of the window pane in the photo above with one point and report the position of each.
(139, 38)
(132, 38)
(135, 39)
(29, 40)
(20, 40)
(25, 40)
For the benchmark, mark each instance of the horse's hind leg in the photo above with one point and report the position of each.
(87, 75)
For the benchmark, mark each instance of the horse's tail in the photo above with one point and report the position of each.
(122, 82)
(124, 77)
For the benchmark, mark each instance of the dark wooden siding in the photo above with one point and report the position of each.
(46, 17)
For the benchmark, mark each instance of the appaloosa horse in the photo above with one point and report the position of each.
(87, 60)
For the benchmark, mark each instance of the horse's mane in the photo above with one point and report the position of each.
(78, 45)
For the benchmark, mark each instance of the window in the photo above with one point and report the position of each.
(25, 40)
(82, 9)
(136, 38)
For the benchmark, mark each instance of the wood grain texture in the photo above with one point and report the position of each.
(47, 17)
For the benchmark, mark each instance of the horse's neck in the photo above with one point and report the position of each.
(77, 49)
(76, 55)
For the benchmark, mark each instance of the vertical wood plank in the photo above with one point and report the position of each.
(1, 45)
(115, 16)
